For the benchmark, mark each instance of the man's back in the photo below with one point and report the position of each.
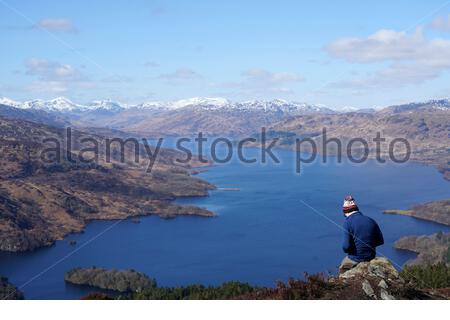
(362, 234)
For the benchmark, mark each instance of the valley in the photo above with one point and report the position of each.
(425, 125)
(59, 205)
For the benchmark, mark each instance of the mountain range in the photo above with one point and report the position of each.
(213, 116)
(65, 105)
(426, 125)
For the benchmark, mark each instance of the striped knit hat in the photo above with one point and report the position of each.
(349, 205)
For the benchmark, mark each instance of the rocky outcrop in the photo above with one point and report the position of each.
(374, 280)
(377, 279)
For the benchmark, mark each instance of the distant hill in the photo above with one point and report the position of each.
(426, 125)
(38, 116)
(426, 128)
(214, 116)
(436, 104)
(41, 202)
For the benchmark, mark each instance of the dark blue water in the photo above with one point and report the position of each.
(263, 233)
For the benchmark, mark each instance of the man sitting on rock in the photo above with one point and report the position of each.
(361, 236)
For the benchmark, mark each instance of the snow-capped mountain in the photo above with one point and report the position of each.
(63, 105)
(204, 103)
(222, 104)
(283, 106)
(108, 105)
(9, 102)
(155, 105)
(441, 104)
(200, 102)
(213, 116)
(434, 104)
(59, 104)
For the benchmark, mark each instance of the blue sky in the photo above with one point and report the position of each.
(350, 53)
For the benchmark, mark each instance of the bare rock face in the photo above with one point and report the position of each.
(368, 290)
(378, 278)
(378, 267)
(385, 295)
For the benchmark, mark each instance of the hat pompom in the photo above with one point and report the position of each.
(349, 205)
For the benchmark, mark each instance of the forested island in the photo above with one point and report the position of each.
(116, 280)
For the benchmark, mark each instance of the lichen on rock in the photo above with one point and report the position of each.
(378, 273)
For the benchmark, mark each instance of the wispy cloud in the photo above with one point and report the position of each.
(55, 87)
(441, 23)
(55, 25)
(53, 77)
(51, 71)
(258, 82)
(414, 58)
(381, 46)
(114, 78)
(181, 74)
(264, 76)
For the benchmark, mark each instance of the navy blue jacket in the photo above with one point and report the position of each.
(362, 234)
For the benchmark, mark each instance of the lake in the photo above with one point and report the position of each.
(278, 225)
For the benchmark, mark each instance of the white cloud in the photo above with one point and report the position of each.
(181, 74)
(56, 25)
(51, 71)
(441, 23)
(262, 83)
(391, 45)
(261, 75)
(115, 78)
(414, 58)
(53, 77)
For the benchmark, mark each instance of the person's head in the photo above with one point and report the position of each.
(349, 206)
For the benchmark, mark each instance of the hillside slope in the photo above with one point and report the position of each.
(41, 202)
(427, 130)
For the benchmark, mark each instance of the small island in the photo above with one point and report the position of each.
(116, 280)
